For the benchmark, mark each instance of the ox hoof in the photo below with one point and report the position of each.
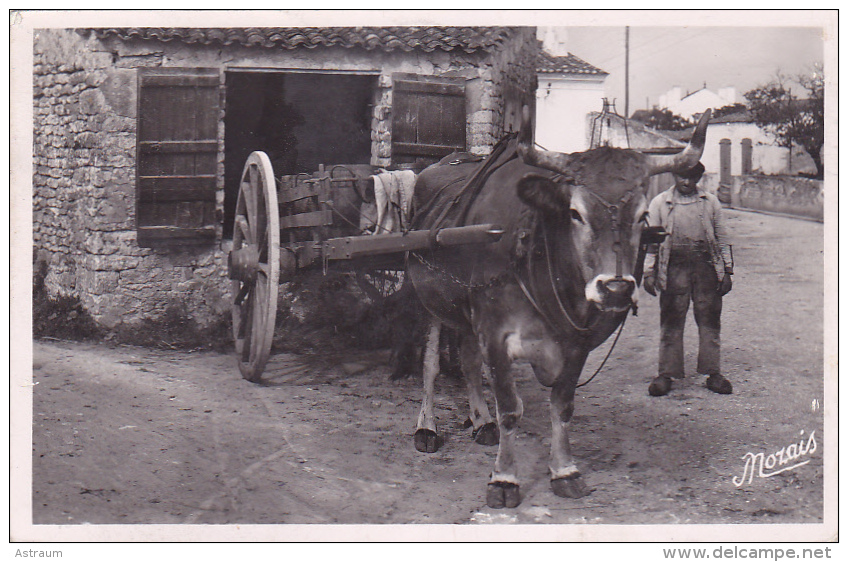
(719, 384)
(660, 386)
(502, 494)
(427, 441)
(486, 434)
(570, 487)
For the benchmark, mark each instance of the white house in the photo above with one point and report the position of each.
(766, 156)
(569, 90)
(696, 102)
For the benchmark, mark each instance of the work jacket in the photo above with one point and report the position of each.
(661, 213)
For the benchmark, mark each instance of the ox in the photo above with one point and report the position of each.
(554, 287)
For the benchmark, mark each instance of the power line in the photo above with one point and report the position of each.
(655, 52)
(644, 44)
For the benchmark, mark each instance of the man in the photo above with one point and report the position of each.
(693, 263)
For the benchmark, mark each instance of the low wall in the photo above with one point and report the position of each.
(779, 194)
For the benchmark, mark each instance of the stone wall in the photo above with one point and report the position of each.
(779, 194)
(84, 154)
(506, 81)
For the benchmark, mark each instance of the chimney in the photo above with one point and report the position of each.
(554, 40)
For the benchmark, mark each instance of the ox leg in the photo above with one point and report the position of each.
(426, 438)
(503, 488)
(566, 480)
(485, 430)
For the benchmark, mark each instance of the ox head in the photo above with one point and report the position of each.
(600, 198)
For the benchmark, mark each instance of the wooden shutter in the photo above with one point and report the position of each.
(177, 143)
(428, 117)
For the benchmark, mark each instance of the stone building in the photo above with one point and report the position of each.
(140, 136)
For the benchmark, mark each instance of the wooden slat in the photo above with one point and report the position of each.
(411, 149)
(156, 189)
(172, 233)
(440, 89)
(315, 218)
(297, 193)
(176, 182)
(157, 194)
(171, 147)
(182, 80)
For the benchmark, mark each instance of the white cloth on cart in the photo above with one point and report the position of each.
(393, 199)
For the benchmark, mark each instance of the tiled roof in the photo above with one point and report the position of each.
(549, 64)
(468, 39)
(738, 117)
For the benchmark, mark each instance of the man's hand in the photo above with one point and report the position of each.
(649, 285)
(726, 284)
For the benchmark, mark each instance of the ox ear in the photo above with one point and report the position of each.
(542, 193)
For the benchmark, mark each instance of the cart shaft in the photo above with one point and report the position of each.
(306, 254)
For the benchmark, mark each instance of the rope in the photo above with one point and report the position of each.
(601, 366)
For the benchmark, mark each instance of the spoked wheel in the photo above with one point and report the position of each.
(381, 283)
(254, 266)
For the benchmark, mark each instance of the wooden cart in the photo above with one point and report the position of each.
(286, 224)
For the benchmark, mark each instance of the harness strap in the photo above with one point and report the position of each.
(535, 304)
(479, 180)
(556, 325)
(553, 285)
(614, 210)
(473, 184)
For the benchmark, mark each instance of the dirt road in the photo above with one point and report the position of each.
(132, 435)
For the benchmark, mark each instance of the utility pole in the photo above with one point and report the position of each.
(627, 72)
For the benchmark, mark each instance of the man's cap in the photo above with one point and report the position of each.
(693, 173)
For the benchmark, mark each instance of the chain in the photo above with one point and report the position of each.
(496, 280)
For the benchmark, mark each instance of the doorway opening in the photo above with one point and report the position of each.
(300, 120)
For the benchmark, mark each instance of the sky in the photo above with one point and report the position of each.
(689, 57)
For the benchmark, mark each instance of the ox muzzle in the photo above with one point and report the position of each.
(611, 293)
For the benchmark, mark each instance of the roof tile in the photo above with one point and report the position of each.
(547, 63)
(468, 39)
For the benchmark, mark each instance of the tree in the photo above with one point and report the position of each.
(790, 120)
(662, 119)
(729, 110)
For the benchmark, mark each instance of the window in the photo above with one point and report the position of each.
(177, 143)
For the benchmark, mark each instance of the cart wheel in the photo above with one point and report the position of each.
(254, 266)
(380, 284)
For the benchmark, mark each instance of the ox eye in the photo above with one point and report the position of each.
(575, 216)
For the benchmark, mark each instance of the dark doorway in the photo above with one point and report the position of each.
(300, 120)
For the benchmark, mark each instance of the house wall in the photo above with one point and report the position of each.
(801, 197)
(767, 158)
(84, 156)
(562, 104)
(635, 135)
(697, 102)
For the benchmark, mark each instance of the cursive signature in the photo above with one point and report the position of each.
(758, 464)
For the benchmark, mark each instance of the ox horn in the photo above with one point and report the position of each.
(690, 155)
(555, 161)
